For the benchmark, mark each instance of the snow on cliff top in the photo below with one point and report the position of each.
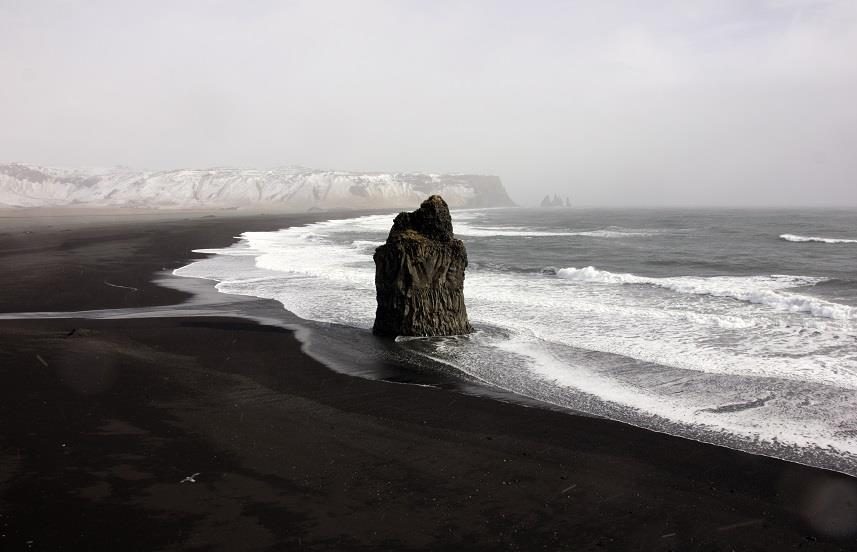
(290, 188)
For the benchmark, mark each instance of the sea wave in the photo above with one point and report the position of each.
(464, 229)
(511, 231)
(693, 356)
(619, 233)
(805, 239)
(760, 290)
(367, 247)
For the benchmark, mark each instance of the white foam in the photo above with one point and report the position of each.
(724, 336)
(489, 231)
(809, 432)
(466, 226)
(761, 290)
(613, 233)
(804, 239)
(466, 229)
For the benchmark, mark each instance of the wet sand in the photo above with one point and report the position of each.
(102, 420)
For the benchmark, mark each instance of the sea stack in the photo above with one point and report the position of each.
(419, 275)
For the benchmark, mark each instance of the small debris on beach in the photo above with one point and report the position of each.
(118, 286)
(190, 478)
(742, 524)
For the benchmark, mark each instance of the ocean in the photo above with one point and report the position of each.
(733, 327)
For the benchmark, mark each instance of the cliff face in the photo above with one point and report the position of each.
(419, 275)
(290, 188)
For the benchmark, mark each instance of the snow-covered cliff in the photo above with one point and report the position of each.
(294, 189)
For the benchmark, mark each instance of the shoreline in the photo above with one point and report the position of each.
(433, 370)
(663, 492)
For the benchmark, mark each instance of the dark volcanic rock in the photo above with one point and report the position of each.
(419, 275)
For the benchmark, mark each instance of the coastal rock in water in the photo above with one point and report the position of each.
(555, 202)
(419, 275)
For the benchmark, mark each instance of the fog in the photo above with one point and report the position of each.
(679, 103)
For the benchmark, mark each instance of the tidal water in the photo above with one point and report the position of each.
(737, 328)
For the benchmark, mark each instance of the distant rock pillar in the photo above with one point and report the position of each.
(419, 275)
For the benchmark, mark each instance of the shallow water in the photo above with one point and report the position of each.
(721, 326)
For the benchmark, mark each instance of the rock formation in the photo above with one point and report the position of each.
(419, 275)
(555, 202)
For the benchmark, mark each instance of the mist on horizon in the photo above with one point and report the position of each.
(707, 103)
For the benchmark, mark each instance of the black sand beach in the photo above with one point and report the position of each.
(102, 420)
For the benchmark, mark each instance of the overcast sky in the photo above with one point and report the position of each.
(611, 102)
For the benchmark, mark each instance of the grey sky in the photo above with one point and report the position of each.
(611, 102)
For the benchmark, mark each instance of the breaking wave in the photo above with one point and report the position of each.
(806, 239)
(519, 231)
(760, 290)
(757, 362)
